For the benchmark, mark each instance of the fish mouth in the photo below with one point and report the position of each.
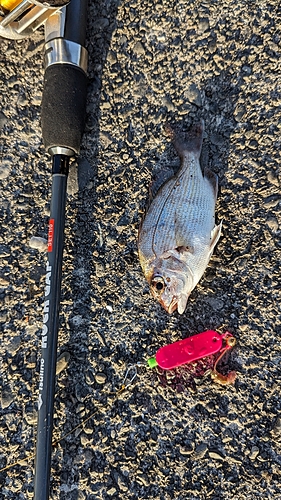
(172, 306)
(177, 303)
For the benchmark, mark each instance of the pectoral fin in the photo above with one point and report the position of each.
(215, 236)
(182, 303)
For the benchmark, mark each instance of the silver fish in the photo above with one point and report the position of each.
(178, 234)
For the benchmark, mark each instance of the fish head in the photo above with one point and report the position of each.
(171, 288)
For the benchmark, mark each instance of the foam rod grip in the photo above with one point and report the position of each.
(63, 107)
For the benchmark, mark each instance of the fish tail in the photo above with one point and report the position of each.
(188, 142)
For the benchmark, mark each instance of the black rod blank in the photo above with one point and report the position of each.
(50, 328)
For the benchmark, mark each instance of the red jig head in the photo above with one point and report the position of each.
(193, 348)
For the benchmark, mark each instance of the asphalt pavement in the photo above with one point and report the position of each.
(174, 435)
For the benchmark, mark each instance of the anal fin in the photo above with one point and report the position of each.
(159, 179)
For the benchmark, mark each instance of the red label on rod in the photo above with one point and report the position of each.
(51, 234)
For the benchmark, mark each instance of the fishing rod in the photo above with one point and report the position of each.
(62, 118)
(63, 114)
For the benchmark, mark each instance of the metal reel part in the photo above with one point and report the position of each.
(26, 16)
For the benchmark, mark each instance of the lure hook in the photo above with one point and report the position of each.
(130, 368)
(231, 376)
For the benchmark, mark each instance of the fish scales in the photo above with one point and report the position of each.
(178, 234)
(179, 217)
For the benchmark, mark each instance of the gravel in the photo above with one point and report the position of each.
(162, 437)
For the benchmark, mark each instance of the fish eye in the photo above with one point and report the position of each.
(158, 284)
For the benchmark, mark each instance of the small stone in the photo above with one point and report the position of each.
(168, 103)
(76, 320)
(38, 243)
(4, 282)
(277, 427)
(6, 398)
(89, 377)
(36, 273)
(143, 479)
(84, 439)
(111, 57)
(62, 362)
(139, 49)
(100, 378)
(216, 304)
(234, 460)
(212, 46)
(253, 144)
(81, 495)
(31, 417)
(272, 223)
(239, 112)
(123, 40)
(72, 180)
(254, 453)
(243, 328)
(217, 139)
(203, 24)
(186, 451)
(31, 360)
(3, 120)
(87, 429)
(5, 170)
(215, 455)
(101, 23)
(272, 177)
(96, 486)
(24, 463)
(14, 345)
(192, 94)
(123, 221)
(105, 105)
(36, 100)
(3, 317)
(99, 270)
(105, 139)
(11, 423)
(4, 251)
(111, 491)
(22, 100)
(200, 451)
(247, 70)
(272, 200)
(80, 408)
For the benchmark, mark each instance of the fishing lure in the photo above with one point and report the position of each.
(194, 348)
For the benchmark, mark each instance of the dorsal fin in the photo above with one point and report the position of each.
(213, 179)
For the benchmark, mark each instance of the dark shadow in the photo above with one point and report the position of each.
(219, 100)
